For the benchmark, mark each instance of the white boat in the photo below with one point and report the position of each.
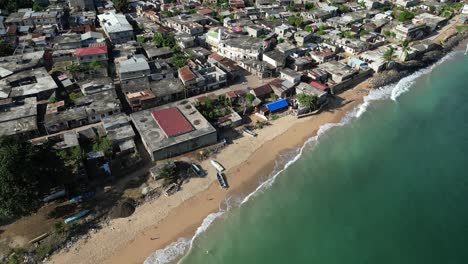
(249, 132)
(217, 166)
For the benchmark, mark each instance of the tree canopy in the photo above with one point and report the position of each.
(405, 15)
(164, 39)
(120, 5)
(389, 55)
(309, 101)
(26, 171)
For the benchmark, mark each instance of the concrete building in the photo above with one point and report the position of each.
(81, 4)
(97, 52)
(235, 48)
(338, 71)
(35, 83)
(18, 118)
(116, 27)
(173, 129)
(135, 67)
(120, 133)
(410, 32)
(275, 58)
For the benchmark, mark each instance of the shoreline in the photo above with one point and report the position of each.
(154, 227)
(186, 210)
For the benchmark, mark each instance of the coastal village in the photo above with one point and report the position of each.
(130, 101)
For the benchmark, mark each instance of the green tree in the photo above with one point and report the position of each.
(179, 60)
(321, 30)
(162, 39)
(6, 49)
(295, 21)
(280, 40)
(25, 172)
(38, 7)
(271, 18)
(120, 5)
(389, 55)
(405, 15)
(308, 101)
(308, 28)
(140, 39)
(404, 49)
(95, 65)
(103, 144)
(310, 6)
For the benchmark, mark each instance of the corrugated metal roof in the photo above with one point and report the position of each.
(277, 105)
(172, 121)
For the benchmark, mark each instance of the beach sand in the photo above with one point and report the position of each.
(248, 162)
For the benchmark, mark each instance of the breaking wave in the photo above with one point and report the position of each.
(184, 245)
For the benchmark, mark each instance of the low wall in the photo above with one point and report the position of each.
(350, 83)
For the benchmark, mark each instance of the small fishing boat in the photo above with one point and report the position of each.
(249, 132)
(76, 216)
(222, 180)
(198, 171)
(54, 196)
(216, 165)
(171, 189)
(82, 197)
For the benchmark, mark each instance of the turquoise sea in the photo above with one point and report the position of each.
(389, 184)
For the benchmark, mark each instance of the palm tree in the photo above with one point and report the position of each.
(308, 101)
(389, 55)
(404, 50)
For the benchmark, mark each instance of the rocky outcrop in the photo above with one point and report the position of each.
(401, 70)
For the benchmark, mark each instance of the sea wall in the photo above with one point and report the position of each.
(350, 83)
(401, 70)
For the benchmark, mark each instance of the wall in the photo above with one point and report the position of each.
(186, 146)
(343, 86)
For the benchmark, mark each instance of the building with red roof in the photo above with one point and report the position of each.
(96, 51)
(173, 129)
(318, 85)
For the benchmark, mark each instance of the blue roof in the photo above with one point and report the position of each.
(277, 105)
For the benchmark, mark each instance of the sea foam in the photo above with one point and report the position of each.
(392, 91)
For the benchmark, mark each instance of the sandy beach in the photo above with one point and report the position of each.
(248, 162)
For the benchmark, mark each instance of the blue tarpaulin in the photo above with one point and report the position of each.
(277, 105)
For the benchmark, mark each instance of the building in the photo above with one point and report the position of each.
(134, 67)
(410, 32)
(201, 80)
(120, 133)
(173, 129)
(18, 118)
(275, 58)
(97, 52)
(235, 48)
(81, 4)
(307, 89)
(338, 71)
(116, 27)
(35, 83)
(290, 75)
(91, 37)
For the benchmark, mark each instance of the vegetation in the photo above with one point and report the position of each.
(71, 157)
(462, 28)
(271, 18)
(162, 39)
(308, 101)
(214, 109)
(141, 39)
(38, 6)
(95, 65)
(25, 172)
(102, 144)
(389, 55)
(405, 15)
(74, 95)
(14, 5)
(5, 48)
(280, 40)
(52, 100)
(295, 20)
(308, 28)
(389, 34)
(179, 60)
(274, 117)
(321, 30)
(342, 8)
(404, 48)
(310, 6)
(120, 5)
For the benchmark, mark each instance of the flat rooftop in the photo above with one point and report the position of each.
(171, 121)
(26, 83)
(157, 132)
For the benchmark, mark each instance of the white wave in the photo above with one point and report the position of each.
(405, 83)
(392, 91)
(178, 248)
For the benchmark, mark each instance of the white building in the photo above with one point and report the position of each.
(116, 27)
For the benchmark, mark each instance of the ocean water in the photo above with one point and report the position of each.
(388, 184)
